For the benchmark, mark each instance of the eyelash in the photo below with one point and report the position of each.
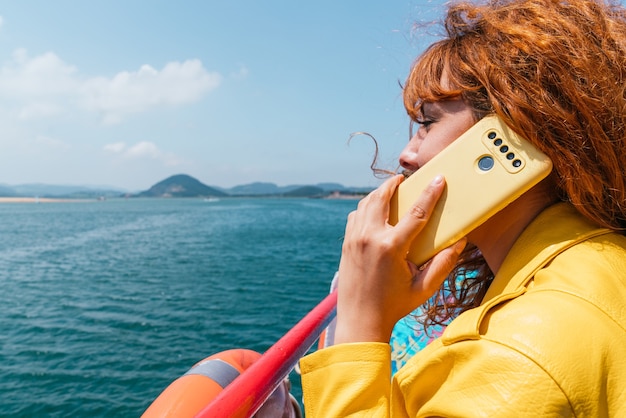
(424, 122)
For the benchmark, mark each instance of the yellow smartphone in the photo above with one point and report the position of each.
(486, 168)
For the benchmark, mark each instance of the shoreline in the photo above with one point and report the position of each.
(39, 200)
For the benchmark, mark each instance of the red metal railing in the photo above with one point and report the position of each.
(246, 394)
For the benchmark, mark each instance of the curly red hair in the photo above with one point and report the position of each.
(554, 71)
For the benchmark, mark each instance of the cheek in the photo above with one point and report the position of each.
(439, 141)
(429, 150)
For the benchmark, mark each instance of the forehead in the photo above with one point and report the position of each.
(452, 105)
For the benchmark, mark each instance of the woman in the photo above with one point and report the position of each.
(543, 328)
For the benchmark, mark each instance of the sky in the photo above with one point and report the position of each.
(126, 93)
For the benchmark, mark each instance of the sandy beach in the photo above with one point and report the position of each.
(38, 200)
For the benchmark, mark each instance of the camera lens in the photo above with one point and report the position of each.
(485, 163)
(491, 135)
(504, 148)
(497, 142)
(510, 156)
(517, 163)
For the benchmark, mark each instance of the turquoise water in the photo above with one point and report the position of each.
(106, 303)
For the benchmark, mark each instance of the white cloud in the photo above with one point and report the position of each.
(115, 148)
(25, 79)
(47, 142)
(131, 92)
(37, 110)
(242, 73)
(143, 150)
(45, 85)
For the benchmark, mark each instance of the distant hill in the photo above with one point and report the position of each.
(306, 191)
(181, 185)
(331, 187)
(7, 191)
(271, 189)
(257, 188)
(54, 191)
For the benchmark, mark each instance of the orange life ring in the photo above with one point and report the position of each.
(194, 390)
(321, 343)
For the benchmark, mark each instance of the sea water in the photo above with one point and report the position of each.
(104, 304)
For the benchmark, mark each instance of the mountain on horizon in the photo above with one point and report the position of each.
(254, 189)
(266, 188)
(58, 191)
(181, 185)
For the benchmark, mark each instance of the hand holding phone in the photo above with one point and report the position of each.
(486, 168)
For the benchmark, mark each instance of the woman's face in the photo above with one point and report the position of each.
(439, 125)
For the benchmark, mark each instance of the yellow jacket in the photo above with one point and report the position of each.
(549, 339)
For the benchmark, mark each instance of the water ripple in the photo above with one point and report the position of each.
(105, 304)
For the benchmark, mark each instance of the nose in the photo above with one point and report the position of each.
(408, 156)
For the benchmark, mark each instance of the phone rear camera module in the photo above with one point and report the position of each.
(517, 163)
(485, 163)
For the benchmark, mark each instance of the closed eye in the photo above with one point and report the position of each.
(424, 122)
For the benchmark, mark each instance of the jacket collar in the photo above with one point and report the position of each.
(554, 230)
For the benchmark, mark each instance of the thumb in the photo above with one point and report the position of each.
(438, 268)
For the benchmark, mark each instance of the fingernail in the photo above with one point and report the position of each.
(437, 180)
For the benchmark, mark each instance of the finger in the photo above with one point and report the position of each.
(350, 220)
(388, 188)
(371, 206)
(419, 214)
(383, 193)
(438, 268)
